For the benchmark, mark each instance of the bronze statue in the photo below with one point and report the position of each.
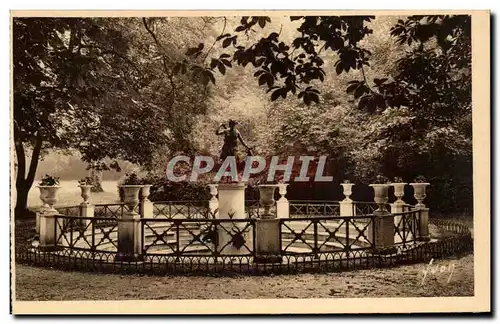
(231, 137)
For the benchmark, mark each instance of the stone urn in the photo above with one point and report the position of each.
(131, 197)
(419, 192)
(145, 192)
(347, 190)
(399, 191)
(48, 194)
(282, 191)
(381, 193)
(266, 193)
(85, 193)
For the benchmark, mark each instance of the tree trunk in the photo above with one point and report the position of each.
(23, 185)
(21, 209)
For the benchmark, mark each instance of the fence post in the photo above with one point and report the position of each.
(267, 229)
(383, 221)
(282, 205)
(346, 205)
(86, 210)
(232, 206)
(397, 207)
(47, 217)
(146, 206)
(48, 229)
(419, 194)
(213, 203)
(129, 227)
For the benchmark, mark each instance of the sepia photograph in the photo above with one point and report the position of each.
(311, 160)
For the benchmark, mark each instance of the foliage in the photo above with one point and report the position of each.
(409, 112)
(131, 179)
(49, 180)
(402, 109)
(380, 179)
(420, 179)
(171, 191)
(87, 181)
(397, 180)
(95, 85)
(289, 67)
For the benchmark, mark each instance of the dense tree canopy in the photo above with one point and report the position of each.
(384, 96)
(100, 86)
(377, 95)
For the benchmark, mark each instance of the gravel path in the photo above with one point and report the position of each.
(404, 281)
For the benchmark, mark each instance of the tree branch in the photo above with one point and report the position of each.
(366, 81)
(221, 33)
(164, 59)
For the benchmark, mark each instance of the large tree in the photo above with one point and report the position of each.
(91, 85)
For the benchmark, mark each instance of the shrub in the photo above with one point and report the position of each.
(49, 180)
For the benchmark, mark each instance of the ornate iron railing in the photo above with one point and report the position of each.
(317, 244)
(95, 234)
(406, 225)
(318, 208)
(69, 211)
(111, 210)
(188, 209)
(188, 237)
(315, 235)
(365, 207)
(253, 209)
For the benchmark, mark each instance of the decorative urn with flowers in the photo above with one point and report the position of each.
(381, 192)
(399, 189)
(85, 185)
(130, 187)
(48, 186)
(419, 190)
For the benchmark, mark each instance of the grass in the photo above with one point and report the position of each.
(404, 281)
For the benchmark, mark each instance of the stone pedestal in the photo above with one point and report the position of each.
(37, 222)
(129, 227)
(282, 205)
(146, 209)
(397, 208)
(129, 238)
(232, 206)
(232, 200)
(423, 230)
(48, 229)
(268, 241)
(86, 210)
(420, 194)
(145, 206)
(384, 230)
(347, 208)
(213, 208)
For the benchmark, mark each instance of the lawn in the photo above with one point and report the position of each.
(404, 281)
